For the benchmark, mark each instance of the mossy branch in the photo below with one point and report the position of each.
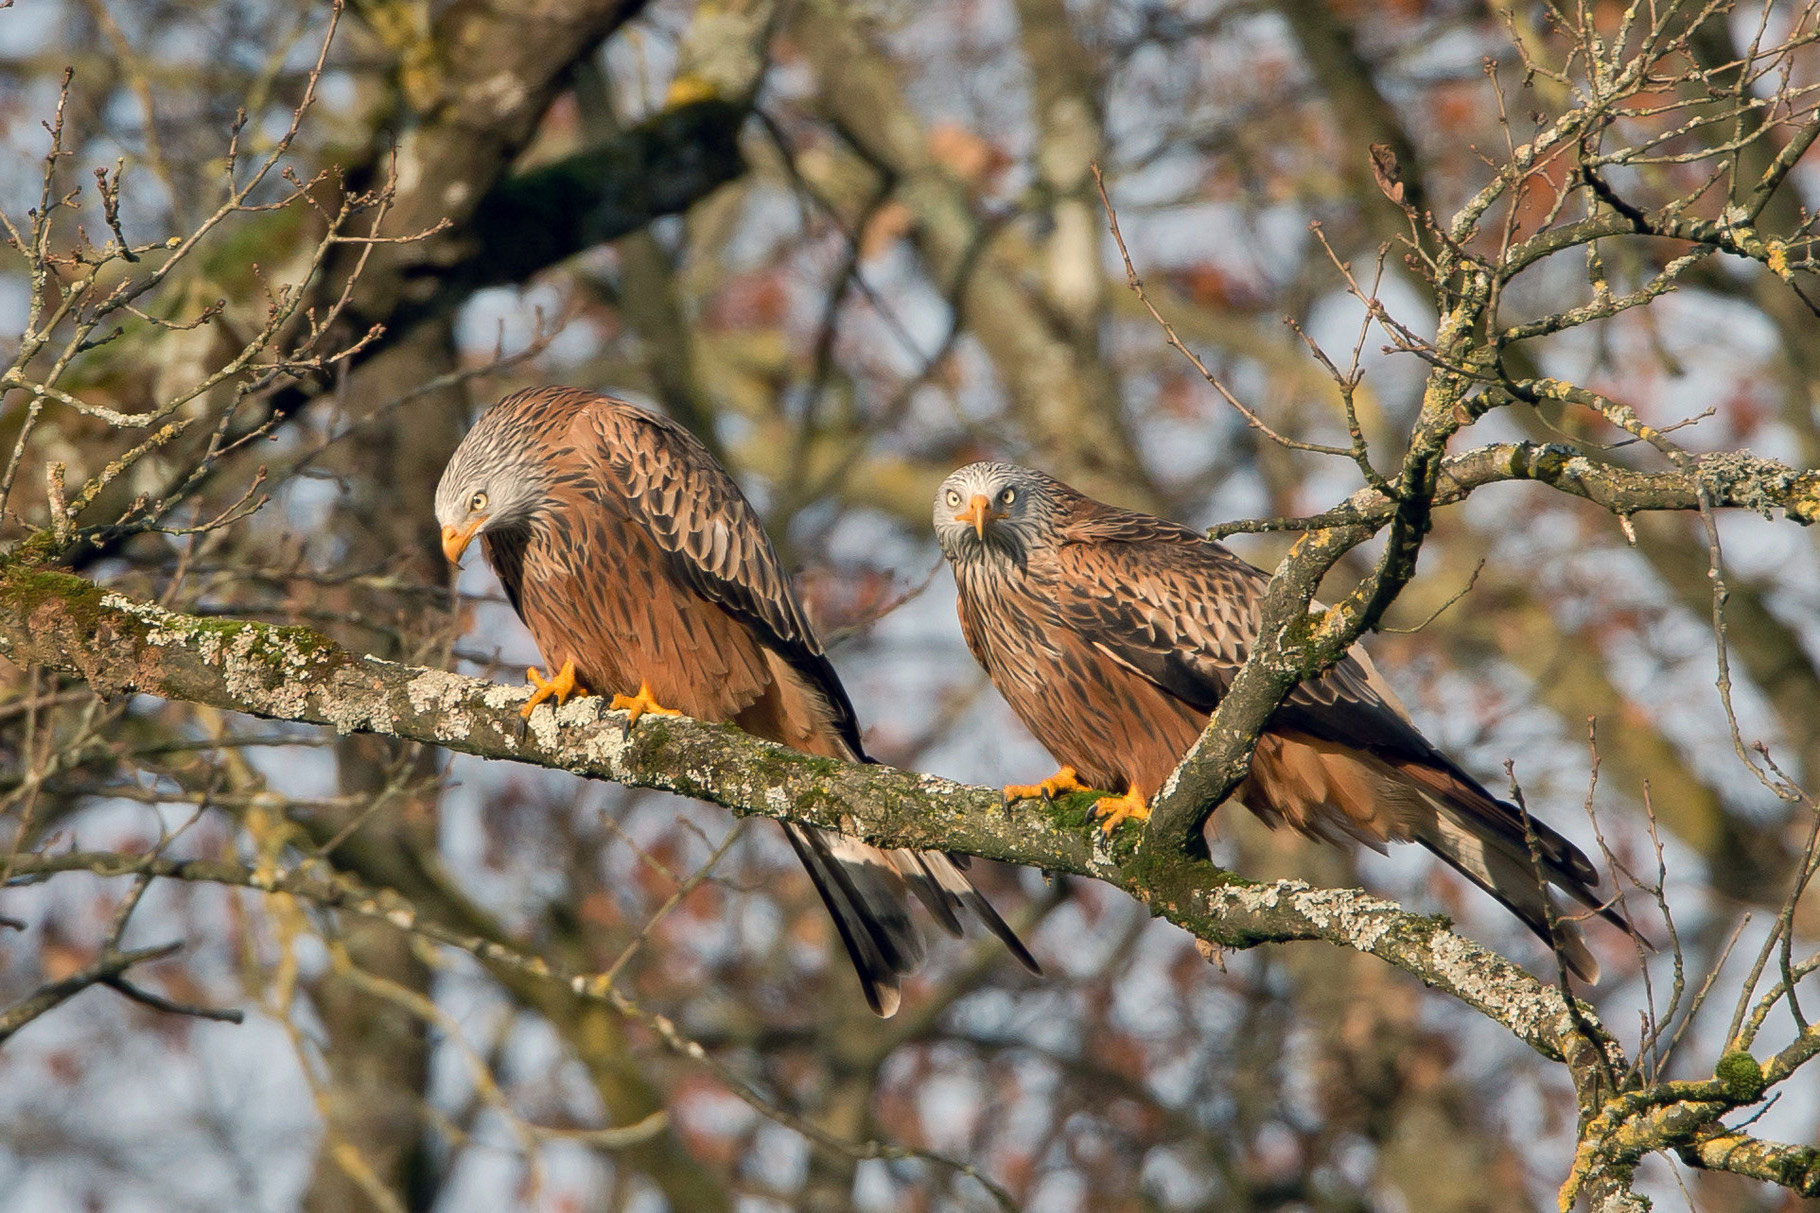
(117, 645)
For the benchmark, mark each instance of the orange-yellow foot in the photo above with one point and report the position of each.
(559, 688)
(637, 705)
(1064, 780)
(1114, 809)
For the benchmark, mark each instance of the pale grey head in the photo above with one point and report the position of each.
(996, 511)
(496, 479)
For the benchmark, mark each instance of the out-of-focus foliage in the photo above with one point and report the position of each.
(853, 245)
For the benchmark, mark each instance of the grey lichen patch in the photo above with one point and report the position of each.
(497, 696)
(1748, 480)
(265, 667)
(353, 714)
(207, 646)
(1529, 1009)
(255, 676)
(148, 613)
(556, 729)
(437, 691)
(1364, 921)
(574, 733)
(544, 727)
(604, 745)
(1342, 915)
(443, 697)
(290, 655)
(1255, 898)
(160, 630)
(580, 710)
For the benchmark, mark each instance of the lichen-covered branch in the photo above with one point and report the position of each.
(118, 645)
(1796, 1168)
(1732, 480)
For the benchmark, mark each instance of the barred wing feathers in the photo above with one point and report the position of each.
(1339, 759)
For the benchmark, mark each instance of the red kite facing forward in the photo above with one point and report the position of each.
(637, 563)
(1114, 635)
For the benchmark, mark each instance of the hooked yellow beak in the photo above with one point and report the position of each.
(978, 513)
(455, 539)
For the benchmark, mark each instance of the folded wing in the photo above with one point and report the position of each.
(1339, 759)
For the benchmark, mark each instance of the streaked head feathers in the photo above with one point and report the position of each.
(995, 510)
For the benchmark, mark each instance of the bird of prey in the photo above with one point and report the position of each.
(1114, 635)
(636, 562)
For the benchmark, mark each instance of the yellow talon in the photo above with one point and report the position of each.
(1064, 780)
(1117, 808)
(637, 705)
(560, 688)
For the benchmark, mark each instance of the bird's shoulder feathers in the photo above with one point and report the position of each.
(1157, 597)
(668, 484)
(1185, 612)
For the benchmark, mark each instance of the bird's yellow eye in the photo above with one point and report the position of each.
(954, 499)
(478, 503)
(1008, 496)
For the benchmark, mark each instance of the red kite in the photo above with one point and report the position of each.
(642, 571)
(1114, 635)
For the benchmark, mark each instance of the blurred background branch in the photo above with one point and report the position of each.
(263, 262)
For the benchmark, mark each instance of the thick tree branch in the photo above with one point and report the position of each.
(118, 646)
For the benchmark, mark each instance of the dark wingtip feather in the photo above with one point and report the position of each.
(865, 890)
(1484, 839)
(880, 939)
(951, 871)
(982, 909)
(937, 898)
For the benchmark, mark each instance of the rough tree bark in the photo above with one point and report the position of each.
(118, 645)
